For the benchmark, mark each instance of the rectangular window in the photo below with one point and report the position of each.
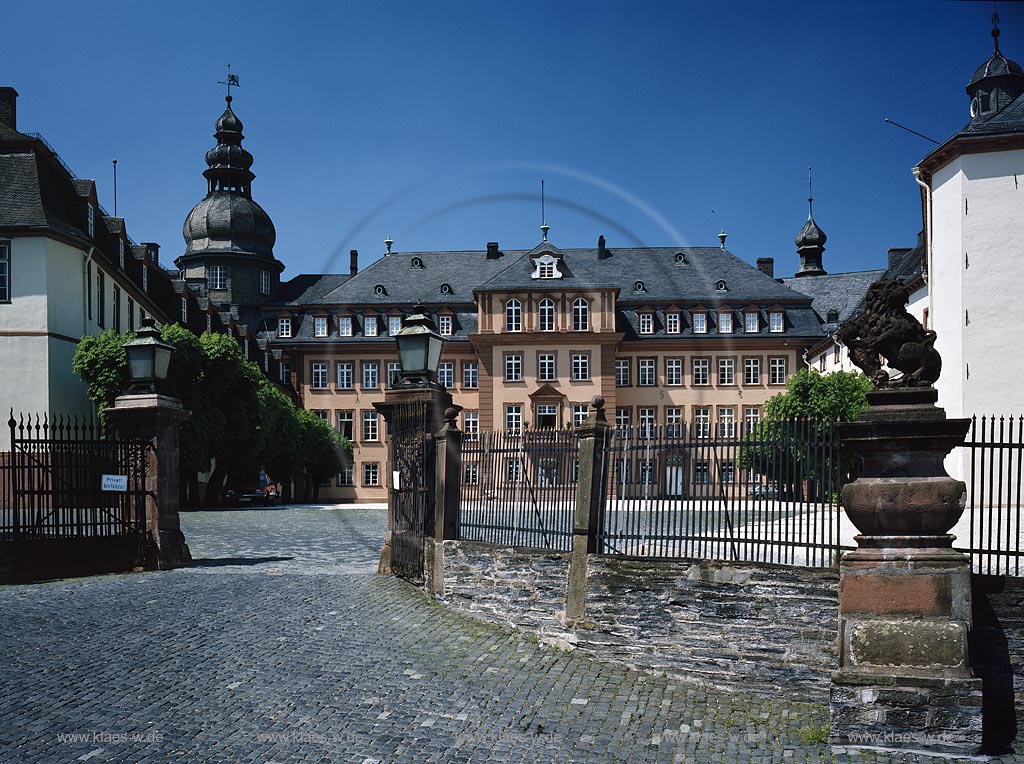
(131, 314)
(674, 422)
(319, 378)
(725, 323)
(546, 367)
(117, 308)
(371, 375)
(751, 371)
(751, 324)
(728, 471)
(835, 354)
(513, 367)
(646, 471)
(777, 371)
(700, 323)
(623, 418)
(470, 473)
(319, 326)
(347, 476)
(264, 282)
(120, 253)
(673, 371)
(470, 375)
(446, 374)
(513, 417)
(702, 422)
(727, 422)
(513, 316)
(727, 371)
(444, 325)
(647, 375)
(579, 414)
(775, 322)
(580, 367)
(623, 374)
(513, 470)
(371, 474)
(345, 422)
(646, 323)
(751, 416)
(184, 310)
(580, 315)
(142, 315)
(471, 425)
(394, 373)
(547, 416)
(370, 326)
(701, 371)
(145, 277)
(344, 326)
(371, 426)
(324, 414)
(546, 315)
(701, 473)
(90, 221)
(101, 308)
(821, 362)
(646, 418)
(345, 381)
(218, 277)
(672, 323)
(284, 328)
(395, 325)
(286, 373)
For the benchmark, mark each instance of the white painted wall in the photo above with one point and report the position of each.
(977, 273)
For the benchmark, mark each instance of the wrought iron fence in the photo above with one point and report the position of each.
(53, 487)
(762, 492)
(519, 488)
(990, 462)
(412, 458)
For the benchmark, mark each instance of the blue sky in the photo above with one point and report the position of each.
(655, 123)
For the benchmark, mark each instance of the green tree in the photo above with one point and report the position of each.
(102, 363)
(794, 441)
(324, 451)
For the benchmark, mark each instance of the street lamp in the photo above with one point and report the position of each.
(419, 349)
(148, 358)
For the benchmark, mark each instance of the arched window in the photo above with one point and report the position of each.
(546, 315)
(580, 315)
(513, 316)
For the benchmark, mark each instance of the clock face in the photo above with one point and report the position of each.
(975, 107)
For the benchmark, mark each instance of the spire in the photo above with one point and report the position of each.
(810, 242)
(544, 227)
(228, 162)
(810, 195)
(995, 30)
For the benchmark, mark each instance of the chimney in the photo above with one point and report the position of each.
(353, 262)
(895, 255)
(767, 266)
(9, 107)
(492, 250)
(602, 252)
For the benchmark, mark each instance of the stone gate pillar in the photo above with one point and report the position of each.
(158, 419)
(904, 677)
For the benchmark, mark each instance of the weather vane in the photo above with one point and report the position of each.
(232, 80)
(544, 227)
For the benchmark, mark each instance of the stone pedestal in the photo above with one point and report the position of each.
(157, 418)
(904, 678)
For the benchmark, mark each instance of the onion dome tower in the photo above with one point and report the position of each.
(810, 242)
(229, 238)
(996, 83)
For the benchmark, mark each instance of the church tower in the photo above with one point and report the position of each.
(229, 238)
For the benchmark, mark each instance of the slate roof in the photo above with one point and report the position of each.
(29, 196)
(310, 287)
(841, 292)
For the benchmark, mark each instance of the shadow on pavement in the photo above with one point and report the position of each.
(218, 562)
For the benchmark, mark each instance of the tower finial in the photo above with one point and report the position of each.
(995, 27)
(810, 195)
(387, 243)
(544, 227)
(231, 80)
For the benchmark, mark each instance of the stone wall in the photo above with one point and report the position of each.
(737, 626)
(750, 627)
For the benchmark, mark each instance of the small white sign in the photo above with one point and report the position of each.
(115, 483)
(396, 481)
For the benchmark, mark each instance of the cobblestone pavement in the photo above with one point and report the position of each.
(281, 645)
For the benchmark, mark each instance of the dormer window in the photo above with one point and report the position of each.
(725, 323)
(775, 321)
(416, 264)
(751, 324)
(320, 326)
(145, 277)
(90, 221)
(184, 310)
(380, 291)
(284, 328)
(639, 288)
(513, 316)
(833, 316)
(546, 267)
(700, 323)
(446, 289)
(672, 323)
(370, 326)
(120, 253)
(394, 325)
(444, 325)
(646, 323)
(720, 286)
(680, 259)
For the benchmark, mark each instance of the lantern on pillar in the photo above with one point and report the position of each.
(148, 358)
(419, 349)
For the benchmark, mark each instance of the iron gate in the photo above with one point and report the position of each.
(54, 485)
(412, 489)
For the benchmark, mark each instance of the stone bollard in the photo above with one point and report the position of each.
(593, 438)
(904, 678)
